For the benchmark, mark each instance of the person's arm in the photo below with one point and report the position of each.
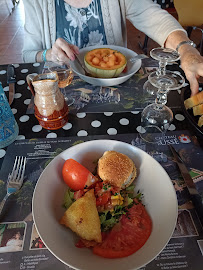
(34, 40)
(37, 37)
(151, 19)
(163, 28)
(61, 51)
(191, 60)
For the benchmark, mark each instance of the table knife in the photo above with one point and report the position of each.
(11, 80)
(194, 194)
(82, 66)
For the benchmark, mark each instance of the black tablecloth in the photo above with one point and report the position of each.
(79, 124)
(165, 3)
(177, 253)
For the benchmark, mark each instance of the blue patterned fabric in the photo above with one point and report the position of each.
(8, 125)
(80, 26)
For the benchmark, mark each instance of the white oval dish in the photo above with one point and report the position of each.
(159, 199)
(132, 68)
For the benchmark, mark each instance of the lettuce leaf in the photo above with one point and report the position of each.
(68, 198)
(109, 218)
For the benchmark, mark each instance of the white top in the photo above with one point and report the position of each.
(12, 245)
(145, 15)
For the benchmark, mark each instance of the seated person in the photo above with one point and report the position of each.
(55, 30)
(13, 244)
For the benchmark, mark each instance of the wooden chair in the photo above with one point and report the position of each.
(190, 15)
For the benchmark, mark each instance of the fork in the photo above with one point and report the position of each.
(137, 57)
(15, 178)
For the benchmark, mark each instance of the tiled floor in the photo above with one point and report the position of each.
(12, 35)
(11, 32)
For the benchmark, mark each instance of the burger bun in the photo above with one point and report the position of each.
(117, 169)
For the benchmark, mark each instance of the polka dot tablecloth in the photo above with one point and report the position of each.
(165, 3)
(79, 124)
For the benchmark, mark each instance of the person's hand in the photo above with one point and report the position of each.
(192, 65)
(62, 51)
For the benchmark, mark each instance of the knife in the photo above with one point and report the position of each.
(82, 66)
(194, 194)
(11, 80)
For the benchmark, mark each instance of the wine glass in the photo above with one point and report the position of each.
(65, 75)
(161, 75)
(164, 56)
(157, 117)
(149, 90)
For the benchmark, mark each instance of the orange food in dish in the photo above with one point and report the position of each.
(105, 62)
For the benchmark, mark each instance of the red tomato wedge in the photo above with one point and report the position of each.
(78, 194)
(126, 237)
(76, 176)
(102, 196)
(103, 199)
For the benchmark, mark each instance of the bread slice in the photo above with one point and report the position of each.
(194, 100)
(82, 218)
(198, 110)
(200, 121)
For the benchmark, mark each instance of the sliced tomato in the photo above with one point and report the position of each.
(77, 176)
(98, 187)
(80, 244)
(126, 237)
(102, 195)
(85, 243)
(103, 199)
(78, 194)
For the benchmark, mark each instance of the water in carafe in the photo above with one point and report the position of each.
(8, 127)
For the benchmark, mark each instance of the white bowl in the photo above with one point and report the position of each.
(132, 68)
(159, 198)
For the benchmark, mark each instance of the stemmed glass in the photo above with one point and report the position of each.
(156, 117)
(164, 56)
(65, 75)
(150, 90)
(161, 75)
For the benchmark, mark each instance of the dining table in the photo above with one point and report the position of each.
(112, 113)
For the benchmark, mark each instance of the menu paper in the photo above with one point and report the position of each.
(20, 244)
(126, 97)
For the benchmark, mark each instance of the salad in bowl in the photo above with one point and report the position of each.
(151, 190)
(102, 207)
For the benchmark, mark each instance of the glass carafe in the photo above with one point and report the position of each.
(8, 127)
(51, 109)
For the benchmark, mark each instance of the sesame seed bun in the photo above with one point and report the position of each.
(116, 169)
